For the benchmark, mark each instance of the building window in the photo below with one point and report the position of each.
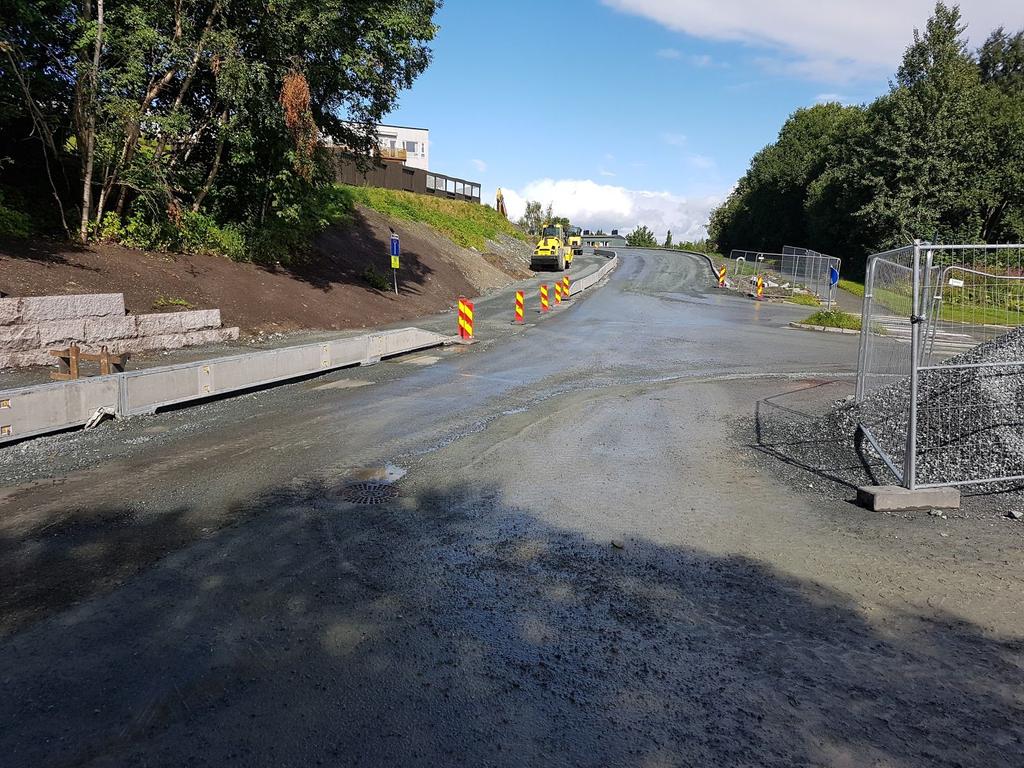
(430, 181)
(460, 188)
(451, 186)
(476, 192)
(410, 146)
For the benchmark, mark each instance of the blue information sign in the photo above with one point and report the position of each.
(395, 247)
(833, 275)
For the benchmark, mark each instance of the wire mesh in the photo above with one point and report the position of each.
(953, 412)
(796, 270)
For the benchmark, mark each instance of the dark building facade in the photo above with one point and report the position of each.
(394, 175)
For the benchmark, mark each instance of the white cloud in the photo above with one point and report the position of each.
(702, 60)
(606, 172)
(668, 53)
(674, 139)
(592, 205)
(828, 41)
(480, 165)
(703, 162)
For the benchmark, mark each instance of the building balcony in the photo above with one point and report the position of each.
(389, 155)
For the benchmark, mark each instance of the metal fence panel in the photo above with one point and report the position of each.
(940, 373)
(793, 271)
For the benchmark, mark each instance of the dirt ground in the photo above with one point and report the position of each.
(327, 293)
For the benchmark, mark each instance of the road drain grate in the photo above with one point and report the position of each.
(369, 493)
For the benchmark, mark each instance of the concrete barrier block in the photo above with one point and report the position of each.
(15, 338)
(61, 332)
(159, 324)
(209, 336)
(107, 328)
(199, 319)
(891, 498)
(22, 359)
(10, 311)
(29, 411)
(36, 309)
(143, 343)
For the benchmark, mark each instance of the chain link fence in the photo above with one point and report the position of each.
(940, 375)
(794, 270)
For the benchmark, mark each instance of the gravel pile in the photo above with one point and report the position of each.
(970, 421)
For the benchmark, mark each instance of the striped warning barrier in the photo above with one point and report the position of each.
(520, 304)
(565, 286)
(544, 305)
(760, 287)
(721, 277)
(465, 318)
(558, 292)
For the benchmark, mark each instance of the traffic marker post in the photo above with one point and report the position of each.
(721, 276)
(396, 252)
(558, 292)
(565, 286)
(544, 304)
(520, 306)
(760, 287)
(465, 318)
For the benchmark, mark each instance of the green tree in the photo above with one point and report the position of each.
(641, 237)
(533, 217)
(207, 104)
(668, 239)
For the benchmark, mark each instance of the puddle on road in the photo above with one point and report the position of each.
(421, 360)
(343, 384)
(389, 473)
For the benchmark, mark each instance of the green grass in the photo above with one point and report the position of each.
(467, 224)
(834, 318)
(805, 299)
(852, 286)
(166, 302)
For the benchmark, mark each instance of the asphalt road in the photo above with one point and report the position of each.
(587, 561)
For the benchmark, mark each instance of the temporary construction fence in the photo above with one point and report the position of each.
(793, 270)
(940, 374)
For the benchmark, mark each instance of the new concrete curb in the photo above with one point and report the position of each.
(823, 328)
(578, 286)
(44, 408)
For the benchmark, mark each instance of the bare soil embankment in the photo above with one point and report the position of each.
(328, 291)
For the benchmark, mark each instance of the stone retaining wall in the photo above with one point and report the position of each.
(33, 325)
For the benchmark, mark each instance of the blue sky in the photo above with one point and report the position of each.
(622, 112)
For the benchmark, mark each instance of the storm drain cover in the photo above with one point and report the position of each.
(369, 493)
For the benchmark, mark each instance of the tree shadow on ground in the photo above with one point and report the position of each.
(44, 251)
(343, 254)
(452, 627)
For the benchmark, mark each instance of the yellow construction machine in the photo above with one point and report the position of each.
(552, 251)
(574, 239)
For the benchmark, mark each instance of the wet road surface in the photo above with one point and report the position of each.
(585, 563)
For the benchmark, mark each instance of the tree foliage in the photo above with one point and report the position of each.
(159, 109)
(641, 237)
(939, 157)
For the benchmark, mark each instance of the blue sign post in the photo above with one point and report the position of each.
(833, 281)
(396, 252)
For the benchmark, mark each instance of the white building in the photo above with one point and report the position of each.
(399, 143)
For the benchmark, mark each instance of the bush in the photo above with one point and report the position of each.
(14, 223)
(375, 279)
(834, 318)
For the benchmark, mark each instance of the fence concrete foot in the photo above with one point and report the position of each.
(893, 498)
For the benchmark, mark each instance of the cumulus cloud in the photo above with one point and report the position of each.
(592, 205)
(835, 41)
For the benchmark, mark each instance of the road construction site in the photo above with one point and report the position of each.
(616, 534)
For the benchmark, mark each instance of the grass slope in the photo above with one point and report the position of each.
(834, 318)
(467, 224)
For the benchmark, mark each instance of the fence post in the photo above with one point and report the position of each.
(910, 458)
(865, 329)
